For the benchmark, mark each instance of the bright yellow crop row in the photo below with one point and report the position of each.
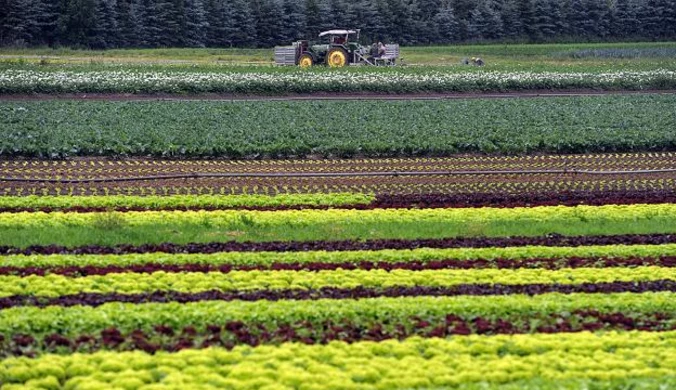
(130, 283)
(309, 217)
(412, 363)
(385, 255)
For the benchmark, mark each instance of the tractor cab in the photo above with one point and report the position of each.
(342, 44)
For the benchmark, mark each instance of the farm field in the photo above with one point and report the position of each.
(415, 272)
(259, 129)
(465, 243)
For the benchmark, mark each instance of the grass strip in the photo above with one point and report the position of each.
(412, 363)
(151, 227)
(387, 128)
(152, 202)
(269, 259)
(75, 320)
(54, 285)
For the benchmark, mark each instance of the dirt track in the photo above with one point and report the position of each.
(325, 96)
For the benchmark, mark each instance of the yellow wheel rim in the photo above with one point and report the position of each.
(337, 59)
(305, 62)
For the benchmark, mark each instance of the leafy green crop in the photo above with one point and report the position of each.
(338, 128)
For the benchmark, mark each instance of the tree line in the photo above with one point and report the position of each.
(104, 24)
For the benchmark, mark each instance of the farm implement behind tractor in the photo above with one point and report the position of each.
(336, 48)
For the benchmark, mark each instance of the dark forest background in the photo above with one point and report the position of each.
(105, 24)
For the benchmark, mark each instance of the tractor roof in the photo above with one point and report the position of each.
(337, 32)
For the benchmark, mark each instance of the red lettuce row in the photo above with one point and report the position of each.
(234, 333)
(97, 299)
(500, 263)
(349, 245)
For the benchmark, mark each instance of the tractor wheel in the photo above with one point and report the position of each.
(336, 58)
(305, 61)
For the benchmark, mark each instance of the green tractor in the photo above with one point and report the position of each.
(336, 48)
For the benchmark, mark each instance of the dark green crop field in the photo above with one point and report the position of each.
(54, 129)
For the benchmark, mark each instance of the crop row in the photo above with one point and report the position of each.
(298, 294)
(183, 227)
(323, 201)
(75, 319)
(413, 265)
(337, 246)
(283, 129)
(299, 218)
(112, 202)
(412, 363)
(53, 285)
(76, 168)
(252, 82)
(238, 333)
(487, 257)
(504, 184)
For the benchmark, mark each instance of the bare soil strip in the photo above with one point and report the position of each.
(326, 96)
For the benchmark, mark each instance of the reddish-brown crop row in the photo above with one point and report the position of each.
(346, 245)
(500, 263)
(96, 299)
(234, 333)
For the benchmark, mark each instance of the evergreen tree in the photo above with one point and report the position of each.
(526, 10)
(270, 27)
(19, 24)
(104, 32)
(312, 18)
(244, 24)
(447, 25)
(624, 21)
(578, 19)
(47, 13)
(511, 20)
(220, 17)
(196, 25)
(127, 23)
(658, 18)
(294, 20)
(380, 28)
(598, 22)
(485, 22)
(75, 24)
(544, 27)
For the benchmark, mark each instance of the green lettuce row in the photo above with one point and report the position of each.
(158, 202)
(77, 320)
(412, 363)
(291, 218)
(54, 285)
(385, 255)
